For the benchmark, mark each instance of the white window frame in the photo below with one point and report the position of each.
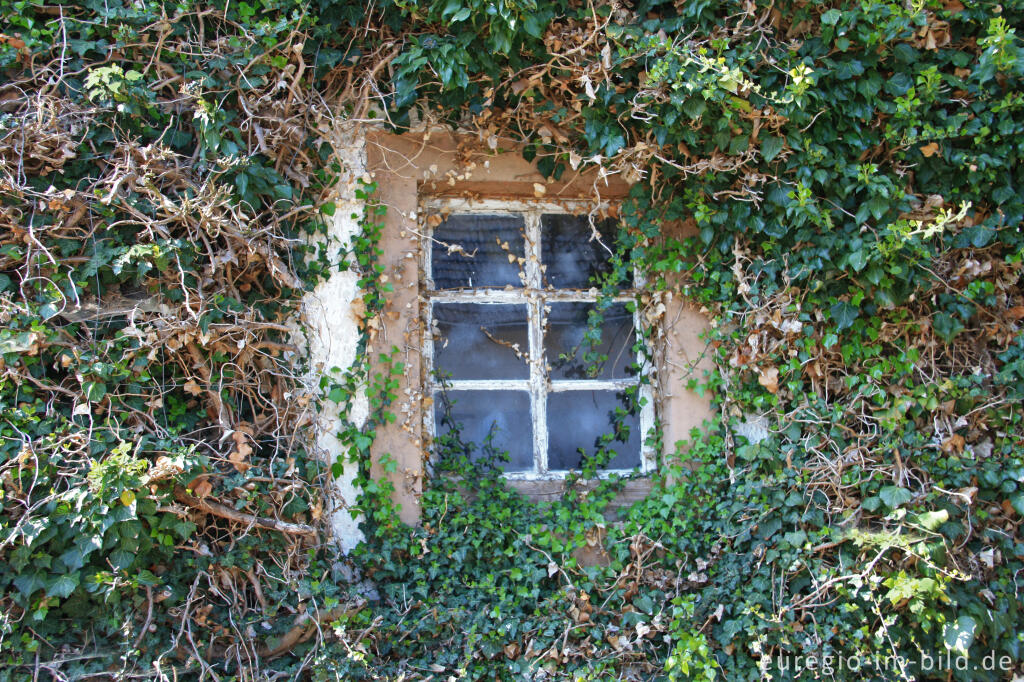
(534, 296)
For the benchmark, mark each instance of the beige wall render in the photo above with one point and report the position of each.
(681, 356)
(411, 167)
(332, 332)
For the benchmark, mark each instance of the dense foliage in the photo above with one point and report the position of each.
(852, 172)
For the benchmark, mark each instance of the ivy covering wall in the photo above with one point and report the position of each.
(852, 171)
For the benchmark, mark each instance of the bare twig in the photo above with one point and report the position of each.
(226, 512)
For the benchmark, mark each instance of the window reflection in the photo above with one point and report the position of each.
(580, 420)
(482, 421)
(570, 341)
(571, 257)
(481, 341)
(474, 251)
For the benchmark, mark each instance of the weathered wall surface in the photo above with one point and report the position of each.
(684, 357)
(332, 332)
(401, 441)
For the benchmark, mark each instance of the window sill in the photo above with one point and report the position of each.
(549, 490)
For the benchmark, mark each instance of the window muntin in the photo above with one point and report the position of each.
(566, 407)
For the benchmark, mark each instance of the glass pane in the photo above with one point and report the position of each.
(480, 341)
(569, 255)
(473, 251)
(569, 349)
(578, 420)
(479, 414)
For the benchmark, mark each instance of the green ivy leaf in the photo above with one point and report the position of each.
(831, 17)
(48, 310)
(28, 583)
(857, 260)
(795, 538)
(844, 314)
(533, 25)
(94, 390)
(242, 183)
(893, 496)
(878, 206)
(771, 145)
(933, 519)
(17, 343)
(63, 586)
(74, 558)
(695, 106)
(959, 635)
(121, 559)
(946, 326)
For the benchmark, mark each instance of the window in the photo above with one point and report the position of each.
(510, 355)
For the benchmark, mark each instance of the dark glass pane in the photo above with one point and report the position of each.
(473, 251)
(567, 344)
(480, 341)
(578, 419)
(478, 414)
(568, 253)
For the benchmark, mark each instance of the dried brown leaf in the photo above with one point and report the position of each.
(769, 378)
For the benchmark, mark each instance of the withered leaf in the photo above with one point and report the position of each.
(769, 378)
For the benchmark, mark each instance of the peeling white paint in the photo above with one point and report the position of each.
(332, 333)
(754, 428)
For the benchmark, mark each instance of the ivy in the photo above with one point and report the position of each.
(851, 175)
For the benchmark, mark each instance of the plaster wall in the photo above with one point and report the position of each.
(332, 334)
